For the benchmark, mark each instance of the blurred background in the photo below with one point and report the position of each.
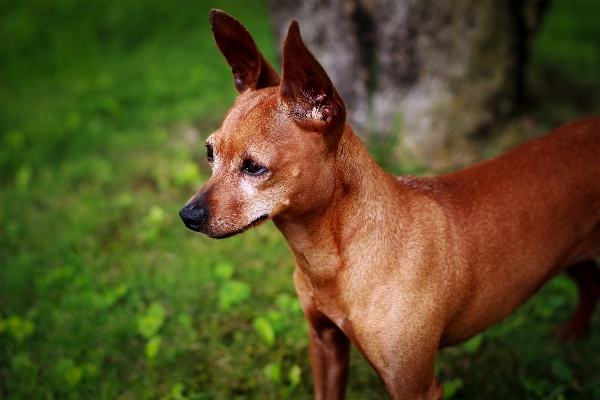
(104, 108)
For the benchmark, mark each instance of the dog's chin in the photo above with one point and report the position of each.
(224, 235)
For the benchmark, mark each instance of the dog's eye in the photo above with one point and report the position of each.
(209, 153)
(251, 168)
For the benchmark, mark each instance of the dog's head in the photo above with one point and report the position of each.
(274, 152)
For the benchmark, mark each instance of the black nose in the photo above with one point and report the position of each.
(193, 217)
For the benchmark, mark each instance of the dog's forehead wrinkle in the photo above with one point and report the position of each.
(253, 107)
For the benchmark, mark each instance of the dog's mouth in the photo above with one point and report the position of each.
(263, 218)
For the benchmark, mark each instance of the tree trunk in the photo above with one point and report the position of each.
(440, 77)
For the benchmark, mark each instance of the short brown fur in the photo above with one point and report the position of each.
(398, 266)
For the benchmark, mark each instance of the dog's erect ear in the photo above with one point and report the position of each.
(306, 88)
(249, 67)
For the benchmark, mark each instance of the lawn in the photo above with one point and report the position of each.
(104, 107)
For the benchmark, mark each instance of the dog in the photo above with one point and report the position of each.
(397, 266)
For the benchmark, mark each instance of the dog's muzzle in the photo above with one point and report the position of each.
(193, 217)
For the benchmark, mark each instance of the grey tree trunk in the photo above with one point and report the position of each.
(440, 76)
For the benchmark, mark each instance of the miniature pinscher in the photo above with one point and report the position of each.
(397, 266)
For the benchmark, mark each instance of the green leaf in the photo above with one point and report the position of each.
(91, 370)
(473, 344)
(232, 293)
(153, 222)
(152, 348)
(19, 328)
(451, 387)
(295, 376)
(73, 375)
(69, 371)
(176, 392)
(108, 299)
(288, 303)
(150, 323)
(276, 319)
(110, 106)
(186, 174)
(264, 328)
(23, 177)
(185, 321)
(155, 217)
(273, 372)
(223, 271)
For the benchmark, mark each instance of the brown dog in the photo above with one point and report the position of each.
(399, 266)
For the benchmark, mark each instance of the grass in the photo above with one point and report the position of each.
(564, 77)
(104, 294)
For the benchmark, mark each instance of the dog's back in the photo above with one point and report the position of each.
(539, 207)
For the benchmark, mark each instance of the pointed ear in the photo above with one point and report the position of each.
(249, 67)
(306, 88)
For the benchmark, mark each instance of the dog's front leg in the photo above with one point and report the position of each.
(404, 357)
(329, 346)
(329, 355)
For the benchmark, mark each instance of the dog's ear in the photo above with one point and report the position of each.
(249, 67)
(306, 88)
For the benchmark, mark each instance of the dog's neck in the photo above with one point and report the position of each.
(323, 241)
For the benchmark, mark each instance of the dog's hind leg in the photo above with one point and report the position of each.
(587, 277)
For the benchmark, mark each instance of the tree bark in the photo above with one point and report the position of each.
(440, 77)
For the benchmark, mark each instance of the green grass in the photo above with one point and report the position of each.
(104, 294)
(564, 73)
